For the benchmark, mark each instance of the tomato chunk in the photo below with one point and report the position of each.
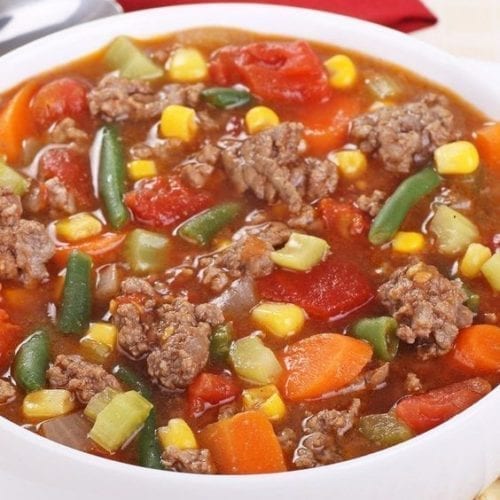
(343, 219)
(287, 72)
(10, 336)
(61, 98)
(161, 202)
(424, 411)
(331, 289)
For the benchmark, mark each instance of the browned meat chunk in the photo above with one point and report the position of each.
(429, 307)
(319, 443)
(7, 392)
(288, 440)
(200, 166)
(66, 131)
(82, 378)
(59, 198)
(412, 383)
(10, 208)
(196, 461)
(407, 135)
(371, 204)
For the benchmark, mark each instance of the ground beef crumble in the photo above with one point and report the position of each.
(196, 461)
(371, 204)
(7, 392)
(199, 167)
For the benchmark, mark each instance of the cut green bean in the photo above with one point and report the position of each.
(473, 299)
(381, 334)
(384, 429)
(133, 380)
(220, 343)
(202, 228)
(226, 97)
(32, 361)
(393, 213)
(111, 177)
(77, 295)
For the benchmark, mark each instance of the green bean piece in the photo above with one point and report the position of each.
(473, 299)
(202, 228)
(393, 213)
(220, 343)
(32, 361)
(112, 176)
(381, 334)
(226, 97)
(77, 295)
(133, 380)
(384, 429)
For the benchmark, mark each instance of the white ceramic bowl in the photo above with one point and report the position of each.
(452, 462)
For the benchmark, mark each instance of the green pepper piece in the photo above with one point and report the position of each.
(32, 361)
(11, 179)
(111, 177)
(226, 97)
(145, 251)
(202, 228)
(393, 213)
(77, 294)
(384, 429)
(381, 334)
(220, 343)
(473, 299)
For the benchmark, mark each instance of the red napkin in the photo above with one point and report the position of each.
(403, 15)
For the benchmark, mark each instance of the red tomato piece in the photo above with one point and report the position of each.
(331, 289)
(10, 336)
(343, 218)
(424, 411)
(208, 390)
(162, 201)
(287, 72)
(73, 170)
(61, 98)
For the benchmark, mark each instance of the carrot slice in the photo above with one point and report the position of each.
(478, 348)
(488, 145)
(244, 444)
(321, 364)
(16, 123)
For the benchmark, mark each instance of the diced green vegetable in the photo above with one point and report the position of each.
(254, 362)
(473, 299)
(11, 179)
(454, 232)
(491, 271)
(396, 207)
(32, 361)
(77, 295)
(384, 429)
(98, 402)
(382, 86)
(226, 97)
(145, 251)
(220, 343)
(112, 177)
(120, 420)
(202, 228)
(132, 63)
(381, 334)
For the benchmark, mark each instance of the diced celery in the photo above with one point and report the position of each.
(11, 179)
(146, 252)
(48, 403)
(120, 420)
(98, 402)
(254, 362)
(384, 429)
(454, 232)
(301, 252)
(177, 433)
(132, 63)
(382, 86)
(491, 271)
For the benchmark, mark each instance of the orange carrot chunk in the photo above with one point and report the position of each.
(478, 348)
(321, 364)
(488, 145)
(244, 444)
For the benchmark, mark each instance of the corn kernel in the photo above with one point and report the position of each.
(408, 242)
(491, 271)
(104, 333)
(459, 158)
(187, 65)
(177, 433)
(179, 122)
(342, 70)
(282, 320)
(140, 169)
(301, 252)
(475, 256)
(48, 403)
(266, 399)
(260, 118)
(78, 227)
(352, 164)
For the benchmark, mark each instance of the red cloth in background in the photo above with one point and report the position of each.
(403, 15)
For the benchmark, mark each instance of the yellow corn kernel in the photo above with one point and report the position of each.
(187, 65)
(491, 271)
(140, 169)
(78, 227)
(260, 118)
(177, 433)
(179, 122)
(352, 164)
(459, 158)
(99, 341)
(282, 320)
(475, 256)
(267, 399)
(408, 242)
(48, 403)
(342, 71)
(301, 252)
